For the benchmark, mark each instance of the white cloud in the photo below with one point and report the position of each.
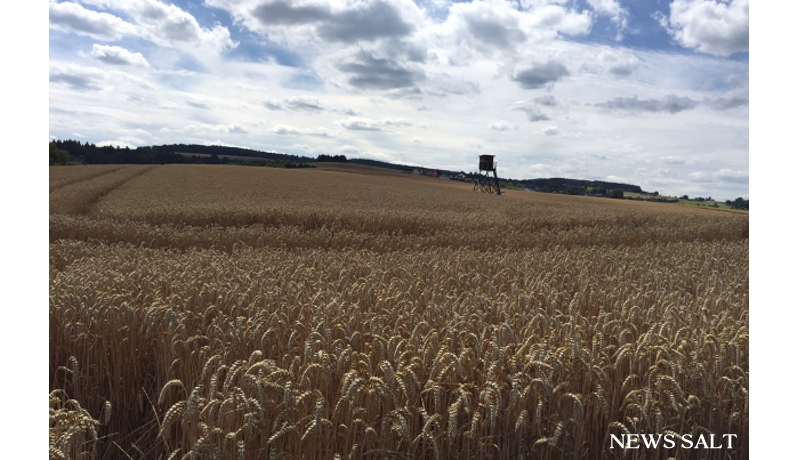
(84, 78)
(502, 125)
(715, 27)
(615, 11)
(78, 78)
(115, 55)
(618, 63)
(727, 102)
(230, 128)
(550, 131)
(348, 150)
(166, 25)
(305, 103)
(286, 130)
(442, 80)
(72, 17)
(493, 27)
(488, 26)
(367, 124)
(724, 175)
(198, 102)
(551, 20)
(673, 159)
(531, 110)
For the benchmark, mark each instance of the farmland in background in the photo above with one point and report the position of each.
(201, 311)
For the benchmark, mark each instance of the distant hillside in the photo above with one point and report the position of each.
(579, 186)
(217, 154)
(381, 164)
(174, 153)
(232, 151)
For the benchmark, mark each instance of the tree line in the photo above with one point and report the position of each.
(75, 152)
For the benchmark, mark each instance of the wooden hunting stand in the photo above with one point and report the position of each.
(486, 182)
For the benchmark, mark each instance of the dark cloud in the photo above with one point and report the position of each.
(180, 29)
(534, 115)
(725, 103)
(76, 82)
(539, 75)
(409, 92)
(493, 33)
(548, 101)
(370, 72)
(78, 24)
(376, 20)
(401, 48)
(198, 104)
(622, 69)
(414, 53)
(675, 104)
(733, 177)
(113, 59)
(284, 13)
(304, 103)
(372, 21)
(670, 104)
(74, 18)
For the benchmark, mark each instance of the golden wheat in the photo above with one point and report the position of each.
(261, 313)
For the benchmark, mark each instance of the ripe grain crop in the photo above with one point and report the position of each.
(234, 312)
(75, 193)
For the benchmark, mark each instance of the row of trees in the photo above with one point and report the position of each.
(72, 151)
(739, 203)
(58, 156)
(332, 158)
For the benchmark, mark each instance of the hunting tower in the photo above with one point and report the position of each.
(487, 180)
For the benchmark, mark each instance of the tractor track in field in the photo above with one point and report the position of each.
(79, 197)
(106, 190)
(77, 180)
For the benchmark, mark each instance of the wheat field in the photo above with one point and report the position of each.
(227, 312)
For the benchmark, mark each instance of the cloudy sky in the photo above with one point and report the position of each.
(648, 92)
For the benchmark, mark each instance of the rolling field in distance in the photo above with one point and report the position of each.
(201, 311)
